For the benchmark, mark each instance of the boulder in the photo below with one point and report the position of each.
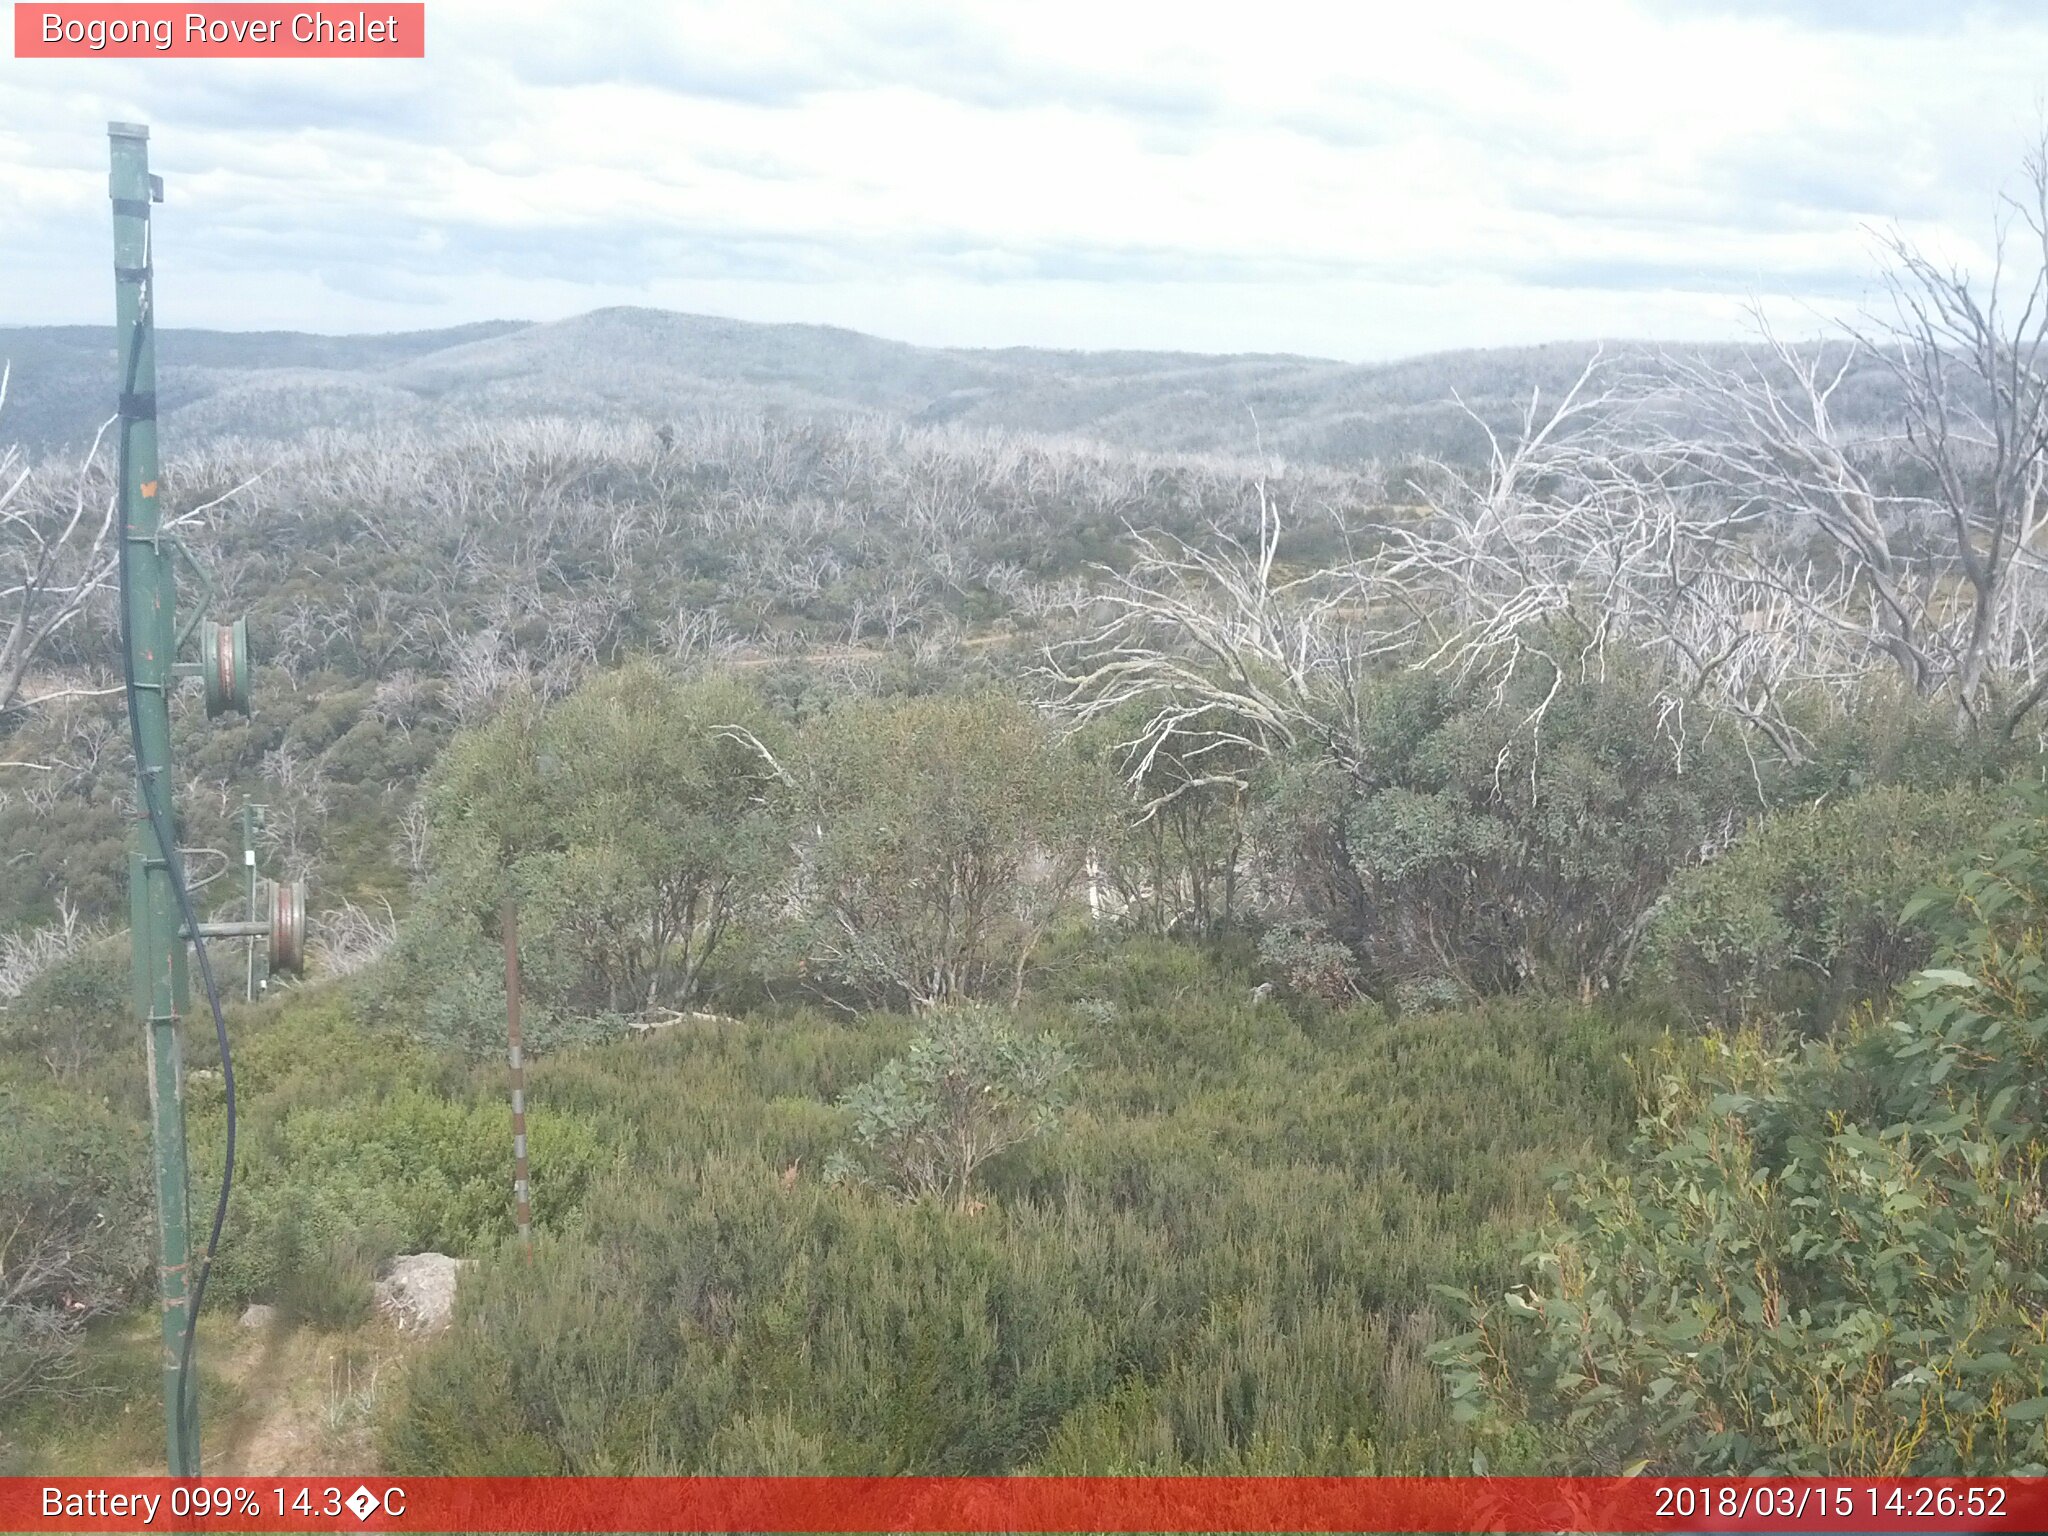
(258, 1315)
(418, 1292)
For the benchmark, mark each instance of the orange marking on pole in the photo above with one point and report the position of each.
(149, 487)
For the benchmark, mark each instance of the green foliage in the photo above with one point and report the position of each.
(971, 1087)
(486, 810)
(636, 823)
(1891, 736)
(324, 1281)
(443, 981)
(1471, 847)
(1309, 962)
(71, 846)
(669, 824)
(1221, 1263)
(1801, 918)
(952, 831)
(1828, 1262)
(355, 1145)
(76, 1015)
(74, 1218)
(1179, 863)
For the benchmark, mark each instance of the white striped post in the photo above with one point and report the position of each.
(522, 1196)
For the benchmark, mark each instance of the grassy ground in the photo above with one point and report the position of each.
(278, 1400)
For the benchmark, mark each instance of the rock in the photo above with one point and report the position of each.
(419, 1291)
(258, 1315)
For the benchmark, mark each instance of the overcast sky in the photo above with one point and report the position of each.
(1344, 179)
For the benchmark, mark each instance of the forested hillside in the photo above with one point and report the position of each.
(649, 367)
(1153, 951)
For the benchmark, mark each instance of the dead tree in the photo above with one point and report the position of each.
(1933, 519)
(57, 551)
(1228, 660)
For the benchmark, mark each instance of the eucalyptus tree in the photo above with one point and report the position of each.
(948, 834)
(632, 825)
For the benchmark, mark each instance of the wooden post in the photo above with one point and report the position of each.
(522, 1202)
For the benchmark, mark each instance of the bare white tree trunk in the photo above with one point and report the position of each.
(56, 551)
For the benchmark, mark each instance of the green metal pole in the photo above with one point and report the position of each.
(149, 598)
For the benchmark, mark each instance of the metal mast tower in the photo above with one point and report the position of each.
(148, 598)
(161, 915)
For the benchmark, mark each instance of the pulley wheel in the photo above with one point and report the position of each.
(224, 657)
(287, 927)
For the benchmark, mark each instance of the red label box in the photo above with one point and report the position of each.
(1784, 1506)
(374, 30)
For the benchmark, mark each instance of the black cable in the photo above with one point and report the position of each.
(160, 823)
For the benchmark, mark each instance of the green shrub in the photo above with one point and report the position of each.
(1221, 1262)
(74, 1227)
(1828, 1262)
(443, 983)
(971, 1087)
(357, 1145)
(1310, 963)
(1471, 845)
(327, 1284)
(76, 1015)
(1801, 918)
(952, 831)
(636, 822)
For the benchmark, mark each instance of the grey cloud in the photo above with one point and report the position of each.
(378, 281)
(929, 48)
(415, 257)
(756, 167)
(624, 255)
(1166, 264)
(190, 104)
(1670, 208)
(1805, 183)
(619, 255)
(595, 58)
(1877, 16)
(1352, 126)
(1857, 178)
(1649, 273)
(283, 98)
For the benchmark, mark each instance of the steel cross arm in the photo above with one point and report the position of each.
(235, 930)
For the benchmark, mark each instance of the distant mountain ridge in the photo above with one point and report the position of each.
(655, 364)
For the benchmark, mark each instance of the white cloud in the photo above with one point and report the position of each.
(1355, 181)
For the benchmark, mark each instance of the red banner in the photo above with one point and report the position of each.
(977, 1504)
(377, 30)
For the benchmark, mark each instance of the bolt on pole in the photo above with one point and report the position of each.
(149, 598)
